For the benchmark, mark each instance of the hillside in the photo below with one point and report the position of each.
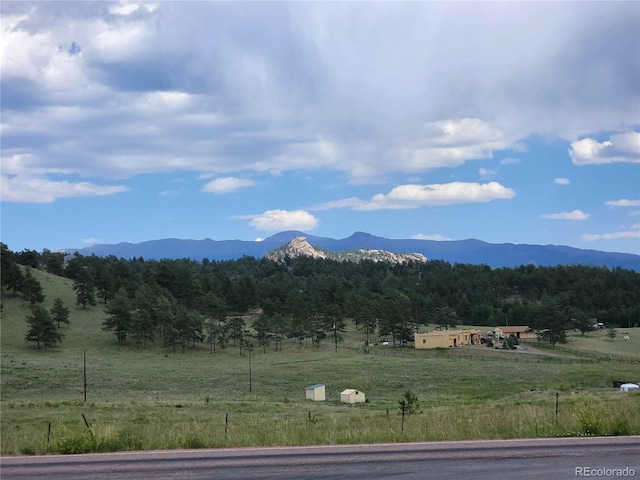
(470, 251)
(154, 398)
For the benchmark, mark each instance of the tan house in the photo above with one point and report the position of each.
(446, 338)
(518, 331)
(352, 396)
(315, 392)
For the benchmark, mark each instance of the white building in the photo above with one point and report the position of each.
(315, 392)
(352, 396)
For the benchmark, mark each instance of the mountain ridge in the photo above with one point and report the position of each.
(471, 251)
(300, 247)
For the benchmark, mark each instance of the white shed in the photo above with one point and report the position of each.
(352, 396)
(627, 387)
(315, 392)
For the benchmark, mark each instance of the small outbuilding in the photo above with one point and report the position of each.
(518, 331)
(352, 396)
(315, 392)
(627, 387)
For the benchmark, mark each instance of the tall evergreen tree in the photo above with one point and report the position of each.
(263, 330)
(551, 324)
(445, 317)
(85, 288)
(42, 329)
(334, 323)
(119, 318)
(53, 262)
(146, 315)
(13, 278)
(59, 313)
(236, 329)
(213, 331)
(31, 289)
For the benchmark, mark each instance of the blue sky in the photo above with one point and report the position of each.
(505, 122)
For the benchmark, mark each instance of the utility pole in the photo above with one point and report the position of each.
(85, 373)
(250, 347)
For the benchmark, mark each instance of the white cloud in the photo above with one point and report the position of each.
(414, 196)
(227, 184)
(411, 196)
(622, 147)
(561, 181)
(574, 215)
(36, 189)
(437, 237)
(352, 202)
(309, 87)
(448, 144)
(590, 237)
(276, 220)
(624, 202)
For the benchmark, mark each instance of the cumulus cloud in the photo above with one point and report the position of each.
(621, 147)
(436, 237)
(412, 196)
(35, 189)
(221, 87)
(573, 215)
(452, 142)
(623, 202)
(227, 184)
(276, 220)
(561, 181)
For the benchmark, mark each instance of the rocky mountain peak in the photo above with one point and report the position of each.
(299, 247)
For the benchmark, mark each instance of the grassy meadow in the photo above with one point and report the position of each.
(154, 398)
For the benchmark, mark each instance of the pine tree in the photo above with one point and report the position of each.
(60, 313)
(13, 277)
(85, 288)
(42, 329)
(120, 316)
(31, 289)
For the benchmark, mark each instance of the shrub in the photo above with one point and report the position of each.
(409, 403)
(589, 419)
(69, 442)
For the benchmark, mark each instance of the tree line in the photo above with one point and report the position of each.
(184, 303)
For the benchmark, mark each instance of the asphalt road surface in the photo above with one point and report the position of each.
(548, 459)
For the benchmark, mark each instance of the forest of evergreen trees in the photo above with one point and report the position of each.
(184, 303)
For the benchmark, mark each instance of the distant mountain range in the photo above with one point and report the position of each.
(457, 251)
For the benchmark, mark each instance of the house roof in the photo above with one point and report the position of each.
(313, 387)
(349, 391)
(448, 332)
(514, 328)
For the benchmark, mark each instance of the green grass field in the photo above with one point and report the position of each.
(155, 399)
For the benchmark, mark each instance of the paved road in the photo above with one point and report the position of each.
(547, 459)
